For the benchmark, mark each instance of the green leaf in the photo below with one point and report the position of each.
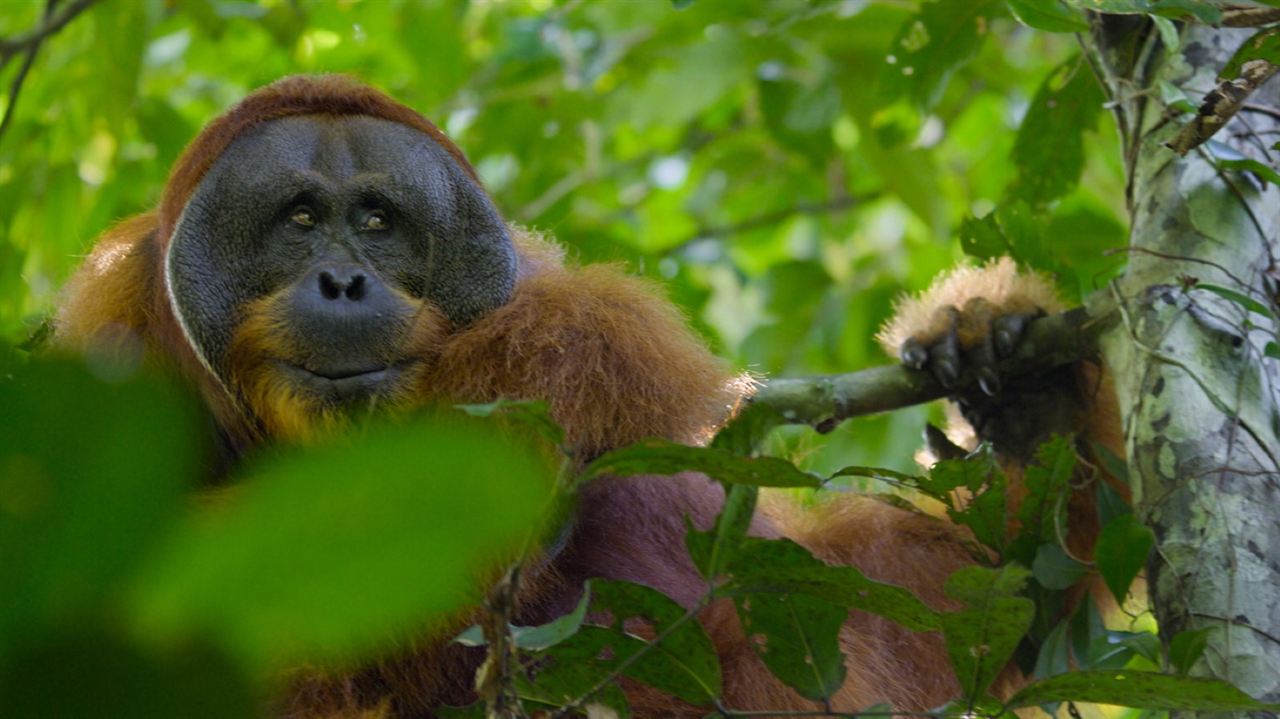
(277, 573)
(930, 46)
(1265, 172)
(661, 457)
(782, 566)
(1047, 480)
(799, 114)
(981, 638)
(685, 662)
(1272, 350)
(95, 673)
(1239, 298)
(1173, 96)
(1202, 11)
(92, 474)
(797, 637)
(1121, 552)
(744, 434)
(1055, 570)
(731, 527)
(535, 414)
(1145, 690)
(982, 237)
(1049, 149)
(880, 473)
(985, 514)
(1054, 656)
(537, 638)
(1049, 15)
(577, 665)
(1093, 646)
(1186, 648)
(1145, 645)
(1263, 45)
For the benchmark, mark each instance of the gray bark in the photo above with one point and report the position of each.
(1199, 401)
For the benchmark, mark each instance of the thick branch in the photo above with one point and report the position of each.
(1198, 395)
(823, 402)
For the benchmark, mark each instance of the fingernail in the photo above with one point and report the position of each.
(989, 382)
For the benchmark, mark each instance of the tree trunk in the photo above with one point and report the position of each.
(1199, 400)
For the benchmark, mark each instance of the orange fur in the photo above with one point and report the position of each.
(617, 363)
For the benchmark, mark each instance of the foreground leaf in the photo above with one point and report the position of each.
(331, 554)
(92, 473)
(1145, 690)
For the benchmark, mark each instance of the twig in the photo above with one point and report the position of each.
(1248, 16)
(30, 44)
(774, 217)
(11, 46)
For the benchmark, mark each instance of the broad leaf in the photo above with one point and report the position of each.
(782, 566)
(797, 637)
(1049, 150)
(277, 571)
(981, 638)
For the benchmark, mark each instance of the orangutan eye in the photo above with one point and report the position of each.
(303, 216)
(376, 221)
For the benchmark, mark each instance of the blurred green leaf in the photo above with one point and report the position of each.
(94, 673)
(1049, 150)
(281, 573)
(1050, 15)
(932, 45)
(92, 472)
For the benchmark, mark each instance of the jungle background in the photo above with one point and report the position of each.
(785, 169)
(763, 161)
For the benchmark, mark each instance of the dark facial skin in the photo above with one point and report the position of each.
(348, 224)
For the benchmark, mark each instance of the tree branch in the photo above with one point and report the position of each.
(824, 402)
(52, 24)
